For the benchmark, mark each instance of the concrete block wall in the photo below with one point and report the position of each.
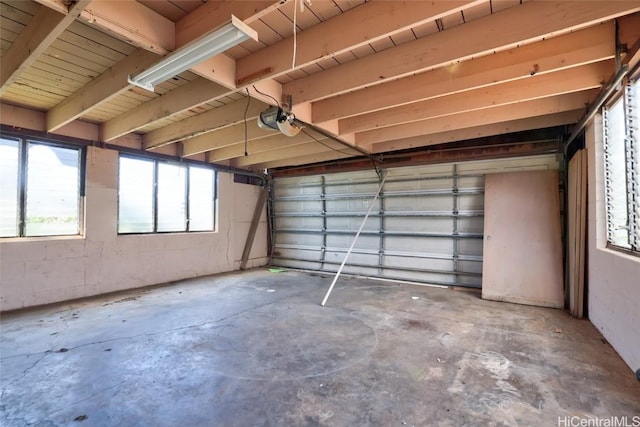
(613, 277)
(35, 271)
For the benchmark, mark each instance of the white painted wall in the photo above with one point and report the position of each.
(36, 271)
(614, 278)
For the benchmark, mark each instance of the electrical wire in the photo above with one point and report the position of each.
(328, 146)
(295, 33)
(246, 132)
(267, 95)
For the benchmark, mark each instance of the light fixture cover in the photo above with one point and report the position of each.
(210, 44)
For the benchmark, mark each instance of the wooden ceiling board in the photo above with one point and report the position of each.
(100, 38)
(475, 12)
(498, 5)
(188, 5)
(343, 58)
(345, 5)
(312, 69)
(451, 21)
(403, 37)
(266, 34)
(323, 9)
(92, 49)
(68, 52)
(165, 8)
(297, 74)
(65, 66)
(60, 73)
(279, 23)
(27, 7)
(305, 18)
(425, 29)
(25, 96)
(237, 52)
(327, 63)
(363, 51)
(382, 44)
(10, 27)
(283, 79)
(44, 80)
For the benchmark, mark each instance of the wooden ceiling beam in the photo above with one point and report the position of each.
(286, 155)
(325, 156)
(375, 20)
(224, 137)
(134, 23)
(558, 53)
(258, 146)
(216, 13)
(178, 100)
(42, 30)
(578, 79)
(503, 113)
(107, 86)
(222, 68)
(529, 123)
(220, 117)
(509, 28)
(60, 6)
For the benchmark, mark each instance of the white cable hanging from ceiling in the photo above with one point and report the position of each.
(295, 28)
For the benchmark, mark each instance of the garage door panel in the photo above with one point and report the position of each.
(299, 222)
(419, 224)
(406, 262)
(473, 225)
(424, 203)
(300, 239)
(345, 240)
(420, 277)
(431, 245)
(311, 206)
(426, 226)
(471, 202)
(351, 223)
(470, 247)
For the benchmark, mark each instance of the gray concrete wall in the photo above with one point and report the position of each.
(614, 278)
(36, 271)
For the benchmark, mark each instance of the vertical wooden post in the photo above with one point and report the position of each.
(257, 212)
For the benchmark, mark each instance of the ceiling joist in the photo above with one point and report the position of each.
(507, 29)
(547, 85)
(376, 20)
(569, 50)
(521, 110)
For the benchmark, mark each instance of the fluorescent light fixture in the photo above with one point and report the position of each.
(210, 44)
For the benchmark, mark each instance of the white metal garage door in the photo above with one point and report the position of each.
(426, 226)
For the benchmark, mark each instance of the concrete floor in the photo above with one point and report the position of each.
(257, 349)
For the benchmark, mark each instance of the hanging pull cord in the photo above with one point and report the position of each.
(355, 239)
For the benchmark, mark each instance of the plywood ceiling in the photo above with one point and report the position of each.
(380, 76)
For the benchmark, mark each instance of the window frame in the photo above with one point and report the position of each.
(187, 165)
(631, 164)
(24, 141)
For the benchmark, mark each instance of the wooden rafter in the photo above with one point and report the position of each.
(526, 23)
(43, 29)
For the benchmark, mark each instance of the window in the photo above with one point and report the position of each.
(156, 196)
(622, 169)
(40, 188)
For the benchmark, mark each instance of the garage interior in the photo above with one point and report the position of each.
(319, 212)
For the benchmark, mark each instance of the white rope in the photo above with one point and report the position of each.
(335, 279)
(295, 32)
